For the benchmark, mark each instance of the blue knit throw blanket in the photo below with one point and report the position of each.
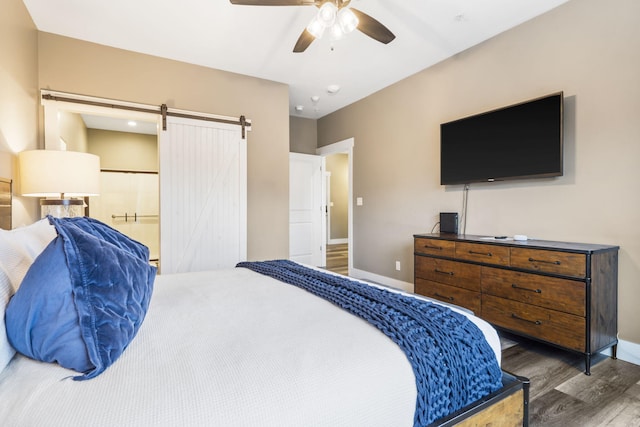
(452, 362)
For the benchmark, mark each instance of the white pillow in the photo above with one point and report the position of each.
(18, 249)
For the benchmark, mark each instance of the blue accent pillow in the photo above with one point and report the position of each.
(83, 299)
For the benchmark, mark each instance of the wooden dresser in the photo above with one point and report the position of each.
(561, 293)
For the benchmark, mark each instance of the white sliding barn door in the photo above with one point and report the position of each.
(203, 196)
(306, 213)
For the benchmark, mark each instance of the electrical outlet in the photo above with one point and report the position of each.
(398, 265)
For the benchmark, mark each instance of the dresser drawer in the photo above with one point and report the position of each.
(559, 328)
(453, 273)
(488, 254)
(450, 294)
(444, 248)
(564, 263)
(564, 295)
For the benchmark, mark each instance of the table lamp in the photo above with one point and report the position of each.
(61, 178)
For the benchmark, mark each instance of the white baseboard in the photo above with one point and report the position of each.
(337, 241)
(627, 351)
(382, 280)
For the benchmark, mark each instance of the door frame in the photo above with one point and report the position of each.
(344, 146)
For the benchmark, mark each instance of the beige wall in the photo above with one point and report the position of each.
(338, 165)
(70, 65)
(304, 135)
(124, 151)
(590, 49)
(18, 99)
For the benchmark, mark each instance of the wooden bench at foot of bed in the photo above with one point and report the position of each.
(507, 407)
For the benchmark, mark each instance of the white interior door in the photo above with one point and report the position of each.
(306, 231)
(203, 196)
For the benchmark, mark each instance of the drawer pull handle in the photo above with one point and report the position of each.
(481, 253)
(537, 291)
(444, 297)
(544, 261)
(432, 247)
(448, 273)
(535, 322)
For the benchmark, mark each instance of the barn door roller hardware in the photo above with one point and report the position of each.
(163, 111)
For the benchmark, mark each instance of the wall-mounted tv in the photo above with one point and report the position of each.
(519, 141)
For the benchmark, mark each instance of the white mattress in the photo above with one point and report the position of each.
(229, 348)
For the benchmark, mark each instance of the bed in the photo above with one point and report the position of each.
(234, 347)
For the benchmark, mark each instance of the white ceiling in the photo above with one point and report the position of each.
(258, 40)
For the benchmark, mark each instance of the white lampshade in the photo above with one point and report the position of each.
(53, 173)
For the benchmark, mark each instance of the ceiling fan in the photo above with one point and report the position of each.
(334, 16)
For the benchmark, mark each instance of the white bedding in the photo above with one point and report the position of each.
(229, 348)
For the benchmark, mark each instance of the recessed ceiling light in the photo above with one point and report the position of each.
(315, 98)
(333, 88)
(299, 108)
(132, 123)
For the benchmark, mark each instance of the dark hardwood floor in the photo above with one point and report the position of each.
(560, 394)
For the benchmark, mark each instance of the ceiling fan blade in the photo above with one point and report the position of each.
(373, 28)
(274, 2)
(303, 42)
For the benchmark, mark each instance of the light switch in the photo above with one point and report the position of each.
(359, 201)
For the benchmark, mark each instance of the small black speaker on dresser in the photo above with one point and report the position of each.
(449, 222)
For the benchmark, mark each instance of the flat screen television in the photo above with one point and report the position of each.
(515, 142)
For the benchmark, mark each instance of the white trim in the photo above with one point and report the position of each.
(341, 147)
(326, 205)
(627, 351)
(324, 209)
(382, 280)
(338, 241)
(338, 147)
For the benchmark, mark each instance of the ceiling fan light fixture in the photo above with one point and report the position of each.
(347, 20)
(316, 28)
(327, 14)
(336, 32)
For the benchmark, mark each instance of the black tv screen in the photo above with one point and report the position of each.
(519, 141)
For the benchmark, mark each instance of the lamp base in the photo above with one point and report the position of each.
(61, 208)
